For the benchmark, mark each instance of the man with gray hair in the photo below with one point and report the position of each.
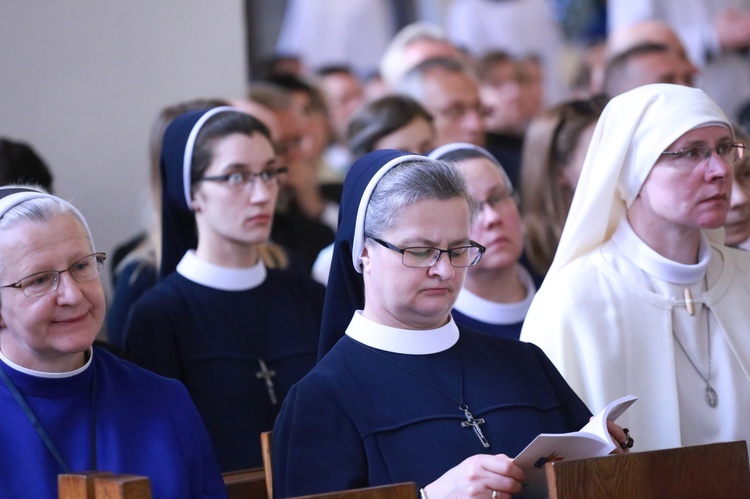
(451, 95)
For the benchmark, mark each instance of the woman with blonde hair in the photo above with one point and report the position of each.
(553, 153)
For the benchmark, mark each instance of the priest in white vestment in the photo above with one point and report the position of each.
(643, 297)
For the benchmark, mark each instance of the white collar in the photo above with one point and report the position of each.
(407, 341)
(223, 278)
(645, 258)
(495, 313)
(42, 374)
(744, 245)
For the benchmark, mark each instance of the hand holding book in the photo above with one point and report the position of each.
(593, 440)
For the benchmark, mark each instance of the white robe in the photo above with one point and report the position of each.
(610, 335)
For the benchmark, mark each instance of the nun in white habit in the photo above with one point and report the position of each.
(643, 297)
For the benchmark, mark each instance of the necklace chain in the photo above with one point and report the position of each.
(712, 398)
(470, 422)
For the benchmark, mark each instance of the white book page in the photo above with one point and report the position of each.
(593, 440)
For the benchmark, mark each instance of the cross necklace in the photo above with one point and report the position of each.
(470, 422)
(267, 375)
(712, 399)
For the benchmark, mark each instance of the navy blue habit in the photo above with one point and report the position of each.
(366, 416)
(239, 349)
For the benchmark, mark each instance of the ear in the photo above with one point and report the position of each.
(366, 262)
(195, 204)
(562, 179)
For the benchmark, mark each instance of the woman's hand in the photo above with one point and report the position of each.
(621, 436)
(479, 476)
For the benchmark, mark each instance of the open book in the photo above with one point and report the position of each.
(593, 440)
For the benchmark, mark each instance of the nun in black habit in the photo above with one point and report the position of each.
(236, 333)
(404, 394)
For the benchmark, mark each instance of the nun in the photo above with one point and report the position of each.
(499, 289)
(236, 333)
(402, 393)
(67, 406)
(642, 296)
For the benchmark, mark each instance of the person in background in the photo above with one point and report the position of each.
(512, 96)
(643, 297)
(20, 164)
(498, 290)
(235, 332)
(527, 28)
(449, 92)
(643, 64)
(737, 228)
(395, 397)
(391, 122)
(317, 131)
(553, 154)
(305, 222)
(716, 34)
(343, 94)
(68, 406)
(412, 45)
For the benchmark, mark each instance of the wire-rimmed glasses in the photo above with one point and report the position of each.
(87, 268)
(690, 157)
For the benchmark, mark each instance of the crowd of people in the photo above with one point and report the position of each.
(407, 277)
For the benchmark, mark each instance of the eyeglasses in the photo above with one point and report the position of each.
(87, 268)
(420, 257)
(458, 111)
(239, 179)
(495, 199)
(691, 157)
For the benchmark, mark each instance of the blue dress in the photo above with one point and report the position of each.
(510, 331)
(145, 425)
(382, 417)
(214, 340)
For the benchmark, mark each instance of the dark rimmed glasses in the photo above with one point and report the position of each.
(690, 157)
(239, 179)
(87, 268)
(426, 256)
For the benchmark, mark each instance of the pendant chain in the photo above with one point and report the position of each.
(711, 397)
(470, 422)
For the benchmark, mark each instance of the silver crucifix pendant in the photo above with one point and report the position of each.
(474, 423)
(267, 375)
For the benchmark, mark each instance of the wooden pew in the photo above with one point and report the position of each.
(102, 485)
(121, 486)
(78, 485)
(395, 491)
(246, 484)
(702, 471)
(265, 447)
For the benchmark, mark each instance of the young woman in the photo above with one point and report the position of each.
(498, 290)
(406, 394)
(553, 153)
(236, 333)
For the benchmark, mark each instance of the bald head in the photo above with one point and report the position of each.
(626, 38)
